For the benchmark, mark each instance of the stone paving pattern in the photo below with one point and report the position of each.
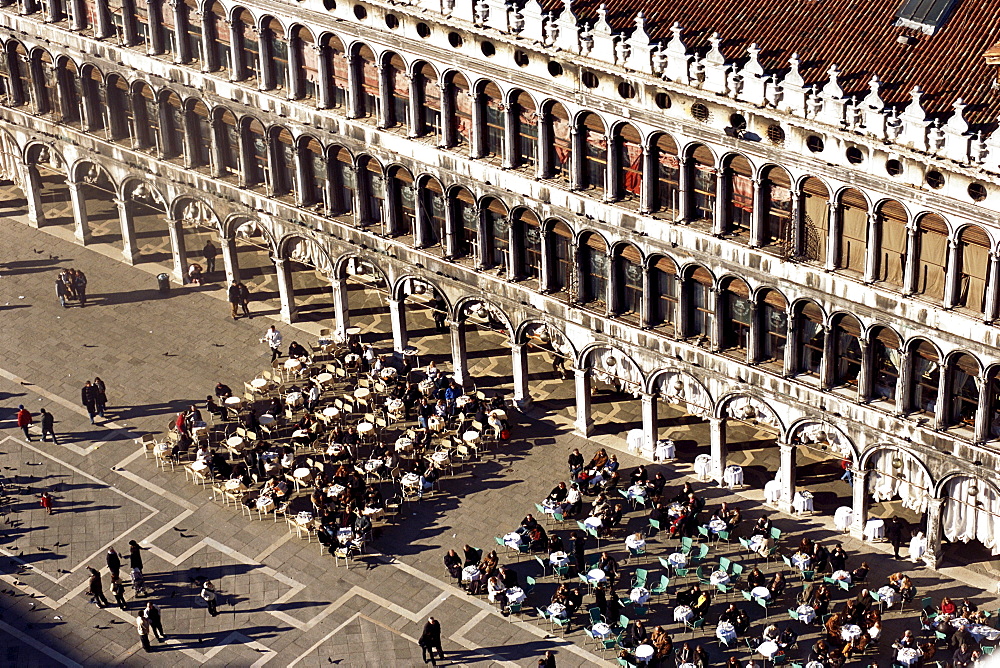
(282, 601)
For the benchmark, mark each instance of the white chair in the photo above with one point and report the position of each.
(147, 442)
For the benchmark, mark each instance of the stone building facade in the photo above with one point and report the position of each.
(703, 218)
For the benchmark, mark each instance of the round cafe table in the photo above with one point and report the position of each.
(410, 480)
(719, 577)
(324, 377)
(365, 427)
(908, 656)
(665, 449)
(266, 419)
(498, 414)
(802, 502)
(717, 525)
(888, 595)
(636, 492)
(362, 393)
(678, 559)
(875, 529)
(515, 595)
(345, 535)
(470, 436)
(683, 613)
(806, 614)
(440, 458)
(760, 592)
(558, 558)
(596, 575)
(233, 401)
(265, 504)
(733, 476)
(557, 610)
(435, 423)
(725, 632)
(593, 522)
(234, 484)
(644, 652)
(841, 575)
(351, 359)
(302, 475)
(293, 398)
(293, 363)
(234, 442)
(404, 444)
(470, 574)
(601, 630)
(767, 649)
(639, 595)
(198, 466)
(394, 405)
(849, 632)
(634, 543)
(331, 412)
(373, 464)
(388, 373)
(702, 465)
(259, 383)
(801, 561)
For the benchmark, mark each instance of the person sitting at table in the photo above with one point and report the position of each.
(599, 460)
(777, 585)
(965, 656)
(574, 599)
(729, 614)
(574, 500)
(451, 394)
(595, 483)
(733, 520)
(601, 599)
(856, 645)
(424, 412)
(733, 662)
(496, 592)
(701, 657)
(702, 604)
(214, 408)
(838, 558)
(558, 493)
(508, 577)
(833, 626)
(771, 633)
(762, 526)
(223, 391)
(373, 497)
(432, 371)
(756, 578)
(968, 608)
(860, 574)
(575, 463)
(688, 596)
(661, 643)
(806, 545)
(203, 455)
(318, 500)
(453, 563)
(637, 634)
(600, 506)
(556, 543)
(948, 606)
(873, 622)
(685, 654)
(490, 563)
(362, 526)
(612, 465)
(907, 640)
(537, 540)
(677, 525)
(906, 588)
(961, 635)
(654, 488)
(559, 596)
(278, 488)
(287, 458)
(609, 565)
(821, 601)
(787, 638)
(611, 482)
(297, 351)
(639, 476)
(529, 522)
(852, 612)
(819, 651)
(441, 410)
(682, 496)
(471, 555)
(821, 558)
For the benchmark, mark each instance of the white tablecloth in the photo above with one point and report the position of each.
(702, 465)
(410, 480)
(593, 522)
(513, 539)
(515, 595)
(841, 575)
(806, 614)
(639, 595)
(596, 575)
(726, 632)
(772, 491)
(683, 613)
(664, 450)
(470, 574)
(293, 398)
(403, 444)
(875, 529)
(557, 610)
(733, 476)
(558, 558)
(801, 561)
(908, 656)
(717, 525)
(760, 592)
(843, 518)
(802, 502)
(636, 491)
(634, 543)
(601, 630)
(888, 594)
(768, 649)
(719, 577)
(678, 559)
(981, 632)
(644, 652)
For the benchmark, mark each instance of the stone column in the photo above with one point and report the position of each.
(324, 98)
(792, 360)
(77, 23)
(478, 134)
(353, 86)
(384, 97)
(448, 131)
(78, 202)
(397, 318)
(786, 476)
(910, 266)
(646, 307)
(295, 82)
(827, 365)
(519, 358)
(684, 189)
(237, 55)
(341, 312)
(301, 175)
(941, 402)
(230, 259)
(459, 354)
(832, 236)
(757, 215)
(650, 423)
(719, 449)
(544, 153)
(612, 167)
(155, 16)
(129, 32)
(903, 381)
(951, 273)
(265, 59)
(797, 225)
(992, 289)
(130, 248)
(871, 249)
(182, 52)
(285, 289)
(754, 337)
(982, 424)
(510, 138)
(859, 502)
(209, 54)
(575, 158)
(720, 218)
(415, 127)
(178, 250)
(933, 532)
(33, 194)
(865, 375)
(648, 187)
(584, 420)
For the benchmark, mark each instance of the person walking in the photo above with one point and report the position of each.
(80, 283)
(138, 582)
(118, 591)
(152, 614)
(233, 296)
(272, 337)
(96, 588)
(208, 595)
(88, 397)
(45, 500)
(430, 640)
(61, 293)
(244, 299)
(66, 277)
(210, 252)
(47, 422)
(24, 420)
(102, 395)
(897, 529)
(114, 562)
(134, 555)
(439, 309)
(142, 625)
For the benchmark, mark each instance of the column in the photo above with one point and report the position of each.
(859, 499)
(325, 94)
(209, 54)
(832, 236)
(933, 532)
(795, 233)
(611, 291)
(177, 250)
(129, 33)
(791, 362)
(757, 215)
(612, 167)
(230, 259)
(827, 365)
(720, 216)
(650, 423)
(354, 86)
(285, 289)
(684, 189)
(575, 159)
(649, 167)
(646, 310)
(719, 450)
(992, 288)
(871, 248)
(544, 154)
(341, 313)
(754, 337)
(154, 46)
(237, 55)
(295, 82)
(786, 475)
(448, 130)
(715, 338)
(519, 358)
(865, 375)
(951, 272)
(181, 21)
(941, 417)
(903, 381)
(397, 318)
(982, 424)
(77, 22)
(459, 353)
(544, 264)
(510, 138)
(104, 26)
(681, 313)
(583, 421)
(130, 248)
(78, 202)
(33, 193)
(265, 59)
(478, 139)
(910, 266)
(301, 176)
(384, 97)
(415, 126)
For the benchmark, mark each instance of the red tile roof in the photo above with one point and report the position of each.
(856, 35)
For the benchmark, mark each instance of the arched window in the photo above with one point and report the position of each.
(703, 175)
(220, 38)
(628, 180)
(891, 257)
(147, 119)
(993, 411)
(43, 74)
(699, 309)
(668, 174)
(336, 58)
(314, 179)
(70, 92)
(974, 260)
(774, 327)
(284, 162)
(199, 133)
(815, 220)
(560, 244)
(92, 85)
(274, 33)
(628, 281)
(20, 82)
(403, 199)
(171, 145)
(493, 121)
(227, 137)
(777, 211)
(342, 181)
(428, 101)
(497, 240)
(853, 244)
(926, 372)
(188, 33)
(246, 48)
(739, 212)
(527, 246)
(736, 311)
(140, 16)
(932, 256)
(89, 16)
(432, 211)
(811, 338)
(561, 148)
(305, 83)
(461, 106)
(847, 351)
(965, 379)
(371, 188)
(256, 167)
(594, 144)
(119, 108)
(663, 294)
(524, 114)
(465, 221)
(399, 87)
(885, 354)
(366, 74)
(594, 265)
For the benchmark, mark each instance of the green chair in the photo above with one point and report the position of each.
(609, 643)
(661, 588)
(746, 595)
(793, 614)
(809, 575)
(530, 582)
(702, 553)
(687, 542)
(666, 564)
(776, 533)
(703, 532)
(513, 609)
(640, 577)
(702, 577)
(723, 535)
(698, 624)
(561, 622)
(681, 572)
(654, 525)
(562, 571)
(844, 585)
(623, 623)
(595, 616)
(559, 518)
(724, 564)
(544, 614)
(634, 553)
(625, 663)
(724, 588)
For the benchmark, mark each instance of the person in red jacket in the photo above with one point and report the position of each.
(23, 420)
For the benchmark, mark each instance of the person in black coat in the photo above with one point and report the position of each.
(114, 562)
(838, 558)
(897, 529)
(430, 640)
(88, 397)
(134, 555)
(579, 540)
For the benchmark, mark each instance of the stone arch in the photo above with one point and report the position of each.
(606, 361)
(194, 212)
(939, 487)
(544, 332)
(680, 388)
(10, 159)
(88, 171)
(887, 486)
(241, 225)
(306, 250)
(747, 407)
(514, 92)
(817, 430)
(483, 308)
(727, 159)
(352, 264)
(37, 152)
(409, 285)
(135, 187)
(616, 248)
(970, 509)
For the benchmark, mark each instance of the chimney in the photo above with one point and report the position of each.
(992, 57)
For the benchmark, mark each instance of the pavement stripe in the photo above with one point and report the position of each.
(41, 647)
